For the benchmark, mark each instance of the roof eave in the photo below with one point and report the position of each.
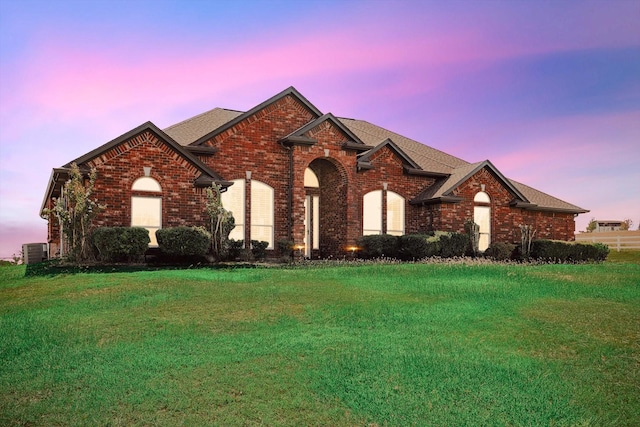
(436, 200)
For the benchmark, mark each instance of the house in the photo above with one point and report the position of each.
(291, 172)
(608, 225)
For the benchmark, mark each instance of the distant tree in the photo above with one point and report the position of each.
(626, 224)
(592, 225)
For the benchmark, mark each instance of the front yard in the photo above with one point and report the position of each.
(400, 344)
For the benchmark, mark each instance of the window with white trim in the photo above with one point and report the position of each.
(372, 203)
(482, 217)
(233, 200)
(372, 213)
(395, 214)
(146, 211)
(262, 212)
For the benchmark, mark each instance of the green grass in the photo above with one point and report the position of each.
(624, 256)
(414, 344)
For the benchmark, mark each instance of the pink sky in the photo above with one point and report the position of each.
(548, 91)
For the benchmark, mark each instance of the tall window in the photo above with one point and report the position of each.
(482, 217)
(146, 211)
(262, 210)
(395, 214)
(372, 213)
(233, 200)
(372, 205)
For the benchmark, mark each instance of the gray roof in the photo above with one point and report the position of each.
(190, 130)
(427, 158)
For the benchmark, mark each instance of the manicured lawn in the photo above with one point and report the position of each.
(398, 345)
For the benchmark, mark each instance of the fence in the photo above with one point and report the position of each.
(616, 240)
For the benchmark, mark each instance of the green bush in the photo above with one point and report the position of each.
(184, 241)
(500, 251)
(561, 252)
(453, 244)
(259, 249)
(114, 244)
(378, 246)
(285, 249)
(235, 249)
(417, 246)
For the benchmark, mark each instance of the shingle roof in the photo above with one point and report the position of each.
(427, 158)
(543, 200)
(187, 131)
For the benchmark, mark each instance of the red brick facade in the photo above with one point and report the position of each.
(258, 143)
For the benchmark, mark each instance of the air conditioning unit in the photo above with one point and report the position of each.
(35, 252)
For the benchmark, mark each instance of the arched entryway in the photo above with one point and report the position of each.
(325, 209)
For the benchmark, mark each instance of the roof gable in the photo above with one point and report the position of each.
(291, 91)
(299, 136)
(148, 127)
(442, 190)
(364, 159)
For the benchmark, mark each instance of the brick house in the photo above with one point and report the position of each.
(290, 172)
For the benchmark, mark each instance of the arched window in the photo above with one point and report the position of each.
(146, 183)
(372, 204)
(395, 214)
(311, 179)
(482, 217)
(372, 213)
(262, 210)
(233, 201)
(146, 210)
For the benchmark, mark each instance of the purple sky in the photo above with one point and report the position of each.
(549, 91)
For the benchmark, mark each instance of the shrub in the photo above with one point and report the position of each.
(259, 249)
(560, 252)
(115, 244)
(235, 249)
(184, 241)
(453, 244)
(285, 249)
(500, 251)
(417, 246)
(378, 246)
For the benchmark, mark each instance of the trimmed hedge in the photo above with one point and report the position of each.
(500, 251)
(560, 252)
(413, 246)
(453, 245)
(184, 241)
(378, 246)
(115, 244)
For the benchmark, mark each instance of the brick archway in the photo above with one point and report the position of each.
(333, 206)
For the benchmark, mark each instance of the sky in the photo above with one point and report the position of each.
(548, 91)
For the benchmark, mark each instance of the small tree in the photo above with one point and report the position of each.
(473, 230)
(527, 234)
(221, 221)
(75, 211)
(626, 224)
(592, 225)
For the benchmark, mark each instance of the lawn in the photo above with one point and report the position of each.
(397, 345)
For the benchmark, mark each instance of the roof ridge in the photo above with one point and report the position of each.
(200, 115)
(409, 139)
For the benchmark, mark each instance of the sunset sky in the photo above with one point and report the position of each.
(549, 91)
